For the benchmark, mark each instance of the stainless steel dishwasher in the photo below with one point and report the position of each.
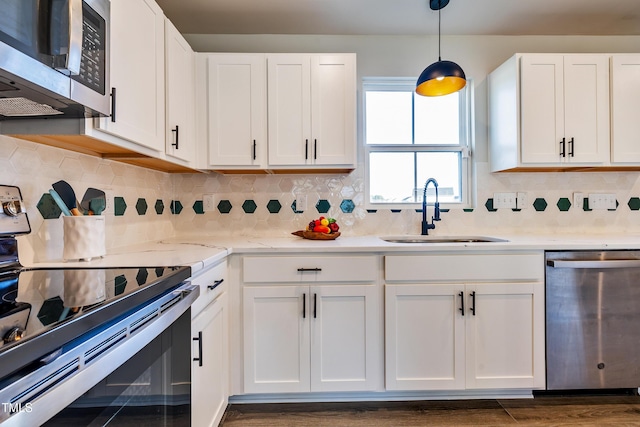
(593, 320)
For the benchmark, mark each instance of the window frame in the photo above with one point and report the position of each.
(393, 84)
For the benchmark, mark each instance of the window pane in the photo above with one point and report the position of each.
(391, 177)
(445, 168)
(437, 119)
(388, 117)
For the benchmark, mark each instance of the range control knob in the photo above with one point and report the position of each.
(11, 208)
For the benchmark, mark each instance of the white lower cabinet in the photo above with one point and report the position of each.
(210, 372)
(210, 348)
(464, 335)
(302, 338)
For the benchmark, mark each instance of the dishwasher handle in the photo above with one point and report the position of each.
(594, 264)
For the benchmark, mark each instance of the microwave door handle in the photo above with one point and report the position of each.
(74, 56)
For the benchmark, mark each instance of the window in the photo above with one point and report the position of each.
(410, 138)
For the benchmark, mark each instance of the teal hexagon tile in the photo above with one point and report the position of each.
(249, 206)
(198, 207)
(563, 204)
(120, 283)
(141, 206)
(175, 207)
(489, 206)
(224, 206)
(323, 206)
(119, 206)
(142, 276)
(294, 208)
(540, 204)
(47, 207)
(347, 206)
(159, 207)
(634, 203)
(274, 206)
(585, 205)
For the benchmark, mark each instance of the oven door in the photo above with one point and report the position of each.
(136, 366)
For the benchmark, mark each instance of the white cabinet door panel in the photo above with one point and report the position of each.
(625, 105)
(276, 339)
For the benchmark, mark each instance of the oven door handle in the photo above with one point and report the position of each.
(595, 264)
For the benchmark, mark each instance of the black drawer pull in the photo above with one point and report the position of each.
(304, 306)
(461, 295)
(216, 283)
(309, 269)
(473, 303)
(199, 358)
(177, 131)
(315, 307)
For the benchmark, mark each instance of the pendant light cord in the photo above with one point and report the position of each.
(439, 21)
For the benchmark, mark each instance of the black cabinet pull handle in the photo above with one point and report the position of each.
(254, 149)
(562, 150)
(306, 149)
(315, 149)
(177, 131)
(304, 306)
(473, 303)
(315, 301)
(216, 283)
(309, 269)
(199, 358)
(113, 104)
(571, 147)
(461, 295)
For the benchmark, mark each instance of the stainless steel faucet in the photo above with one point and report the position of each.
(436, 208)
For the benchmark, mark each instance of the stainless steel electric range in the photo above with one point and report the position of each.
(84, 346)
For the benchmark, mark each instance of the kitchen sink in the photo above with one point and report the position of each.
(441, 239)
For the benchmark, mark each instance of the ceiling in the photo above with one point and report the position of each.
(405, 17)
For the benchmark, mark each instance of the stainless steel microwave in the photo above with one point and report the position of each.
(54, 58)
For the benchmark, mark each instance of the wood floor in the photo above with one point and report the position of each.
(584, 411)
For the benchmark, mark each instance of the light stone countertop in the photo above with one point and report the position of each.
(201, 251)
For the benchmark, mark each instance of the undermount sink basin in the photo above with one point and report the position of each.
(441, 239)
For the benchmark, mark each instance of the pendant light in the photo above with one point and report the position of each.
(442, 77)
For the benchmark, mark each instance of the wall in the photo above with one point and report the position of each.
(397, 56)
(34, 168)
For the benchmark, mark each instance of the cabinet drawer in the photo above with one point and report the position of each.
(310, 269)
(212, 283)
(464, 267)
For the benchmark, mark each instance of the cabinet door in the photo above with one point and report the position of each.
(210, 376)
(237, 125)
(333, 109)
(180, 95)
(542, 109)
(289, 88)
(344, 338)
(586, 108)
(425, 337)
(276, 339)
(137, 73)
(505, 336)
(625, 105)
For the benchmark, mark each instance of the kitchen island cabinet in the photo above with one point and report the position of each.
(311, 324)
(481, 327)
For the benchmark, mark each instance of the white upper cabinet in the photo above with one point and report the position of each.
(312, 113)
(180, 95)
(236, 118)
(137, 73)
(549, 110)
(625, 109)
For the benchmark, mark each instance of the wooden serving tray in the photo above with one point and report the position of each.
(312, 235)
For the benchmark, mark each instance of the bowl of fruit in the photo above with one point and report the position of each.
(320, 229)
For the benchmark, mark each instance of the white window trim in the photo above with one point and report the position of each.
(466, 132)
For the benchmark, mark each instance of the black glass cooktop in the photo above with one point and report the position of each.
(42, 309)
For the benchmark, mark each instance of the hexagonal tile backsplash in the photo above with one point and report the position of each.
(253, 204)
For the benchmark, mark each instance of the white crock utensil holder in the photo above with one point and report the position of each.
(84, 237)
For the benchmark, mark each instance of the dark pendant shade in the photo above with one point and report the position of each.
(441, 78)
